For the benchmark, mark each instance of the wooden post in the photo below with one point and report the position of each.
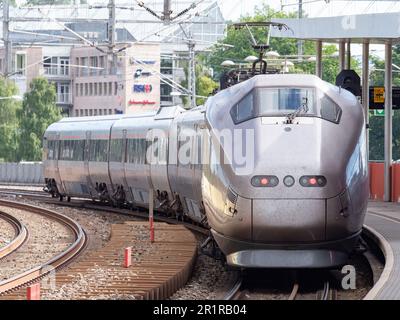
(151, 214)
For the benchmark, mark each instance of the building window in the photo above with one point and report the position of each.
(64, 66)
(20, 63)
(93, 64)
(84, 65)
(77, 69)
(90, 89)
(77, 89)
(86, 112)
(81, 87)
(105, 88)
(81, 112)
(86, 89)
(100, 89)
(95, 88)
(102, 65)
(76, 113)
(115, 88)
(105, 111)
(90, 112)
(110, 111)
(62, 90)
(110, 88)
(95, 112)
(100, 112)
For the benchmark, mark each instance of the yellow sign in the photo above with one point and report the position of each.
(379, 94)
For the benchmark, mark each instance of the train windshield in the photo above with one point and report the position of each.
(282, 101)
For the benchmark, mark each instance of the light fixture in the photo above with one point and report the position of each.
(272, 54)
(251, 59)
(227, 63)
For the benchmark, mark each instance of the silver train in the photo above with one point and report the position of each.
(275, 166)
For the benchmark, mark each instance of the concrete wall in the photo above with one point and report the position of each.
(24, 172)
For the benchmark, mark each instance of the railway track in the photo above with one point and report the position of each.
(241, 290)
(21, 234)
(38, 272)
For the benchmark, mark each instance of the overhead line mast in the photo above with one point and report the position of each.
(6, 38)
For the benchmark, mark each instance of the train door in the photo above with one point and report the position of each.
(197, 162)
(157, 155)
(90, 190)
(60, 183)
(129, 193)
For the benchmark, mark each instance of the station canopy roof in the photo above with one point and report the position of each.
(376, 28)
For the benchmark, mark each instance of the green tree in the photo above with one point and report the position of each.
(205, 85)
(8, 120)
(38, 111)
(376, 123)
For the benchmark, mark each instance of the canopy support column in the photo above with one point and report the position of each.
(388, 119)
(365, 90)
(318, 63)
(348, 63)
(342, 55)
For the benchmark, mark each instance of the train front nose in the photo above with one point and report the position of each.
(300, 215)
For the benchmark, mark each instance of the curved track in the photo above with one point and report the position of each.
(36, 273)
(21, 234)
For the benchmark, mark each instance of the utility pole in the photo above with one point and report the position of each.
(167, 12)
(192, 73)
(111, 34)
(6, 39)
(300, 42)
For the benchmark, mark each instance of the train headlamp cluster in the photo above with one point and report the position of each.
(313, 181)
(264, 181)
(288, 181)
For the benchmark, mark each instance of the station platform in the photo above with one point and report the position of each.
(383, 219)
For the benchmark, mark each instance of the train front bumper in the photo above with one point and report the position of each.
(323, 254)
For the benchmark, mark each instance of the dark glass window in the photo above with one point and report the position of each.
(52, 152)
(116, 150)
(72, 150)
(136, 151)
(244, 110)
(329, 110)
(98, 150)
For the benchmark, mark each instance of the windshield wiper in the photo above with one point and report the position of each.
(303, 108)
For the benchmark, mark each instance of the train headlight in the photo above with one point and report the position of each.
(264, 181)
(288, 181)
(313, 181)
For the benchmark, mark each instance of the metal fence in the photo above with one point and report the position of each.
(22, 172)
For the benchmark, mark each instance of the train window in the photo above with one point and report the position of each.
(98, 150)
(72, 150)
(244, 110)
(137, 149)
(281, 101)
(329, 110)
(116, 150)
(51, 150)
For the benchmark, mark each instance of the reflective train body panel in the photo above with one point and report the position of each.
(277, 168)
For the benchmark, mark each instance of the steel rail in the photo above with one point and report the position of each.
(21, 235)
(55, 263)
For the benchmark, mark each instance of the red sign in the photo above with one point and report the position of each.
(141, 102)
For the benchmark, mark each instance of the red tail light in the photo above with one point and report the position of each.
(264, 181)
(313, 181)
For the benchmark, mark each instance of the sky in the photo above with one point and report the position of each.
(233, 9)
